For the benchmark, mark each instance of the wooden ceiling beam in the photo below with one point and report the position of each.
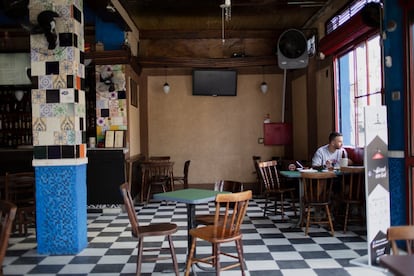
(191, 34)
(189, 62)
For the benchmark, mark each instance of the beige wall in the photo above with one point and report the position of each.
(218, 134)
(325, 106)
(300, 119)
(133, 116)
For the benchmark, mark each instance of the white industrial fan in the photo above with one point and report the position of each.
(292, 50)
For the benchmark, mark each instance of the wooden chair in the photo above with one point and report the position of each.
(151, 230)
(226, 228)
(259, 184)
(156, 175)
(353, 193)
(222, 185)
(7, 215)
(401, 233)
(270, 177)
(20, 189)
(317, 191)
(184, 178)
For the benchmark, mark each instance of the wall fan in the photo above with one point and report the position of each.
(292, 50)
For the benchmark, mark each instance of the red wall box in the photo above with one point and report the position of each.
(277, 134)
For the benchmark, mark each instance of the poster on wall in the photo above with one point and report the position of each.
(377, 182)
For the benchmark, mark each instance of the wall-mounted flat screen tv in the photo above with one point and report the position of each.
(214, 82)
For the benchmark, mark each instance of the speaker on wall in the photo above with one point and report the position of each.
(292, 50)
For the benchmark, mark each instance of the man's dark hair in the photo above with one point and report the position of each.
(333, 135)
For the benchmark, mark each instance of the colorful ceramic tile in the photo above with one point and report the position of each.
(67, 123)
(46, 110)
(81, 70)
(67, 95)
(60, 110)
(113, 95)
(70, 56)
(38, 96)
(45, 82)
(101, 104)
(39, 45)
(59, 138)
(66, 67)
(80, 110)
(59, 81)
(59, 53)
(39, 124)
(113, 112)
(64, 11)
(113, 104)
(100, 121)
(71, 137)
(117, 121)
(102, 88)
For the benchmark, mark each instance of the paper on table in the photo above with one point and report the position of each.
(308, 170)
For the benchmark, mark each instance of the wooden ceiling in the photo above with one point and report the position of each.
(194, 18)
(207, 14)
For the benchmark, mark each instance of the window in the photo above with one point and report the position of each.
(346, 14)
(358, 77)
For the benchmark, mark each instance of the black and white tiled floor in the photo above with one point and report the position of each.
(271, 247)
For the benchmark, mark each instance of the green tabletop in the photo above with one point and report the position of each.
(290, 174)
(296, 174)
(190, 196)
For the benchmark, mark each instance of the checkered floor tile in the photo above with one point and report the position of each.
(271, 246)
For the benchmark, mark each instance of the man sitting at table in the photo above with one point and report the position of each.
(330, 155)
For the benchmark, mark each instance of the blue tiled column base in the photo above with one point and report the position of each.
(398, 193)
(61, 219)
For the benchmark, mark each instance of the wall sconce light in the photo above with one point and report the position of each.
(19, 95)
(166, 86)
(263, 85)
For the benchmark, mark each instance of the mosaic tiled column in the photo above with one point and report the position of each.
(59, 137)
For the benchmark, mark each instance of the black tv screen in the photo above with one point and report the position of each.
(211, 82)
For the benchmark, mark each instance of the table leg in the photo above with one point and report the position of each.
(190, 224)
(298, 224)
